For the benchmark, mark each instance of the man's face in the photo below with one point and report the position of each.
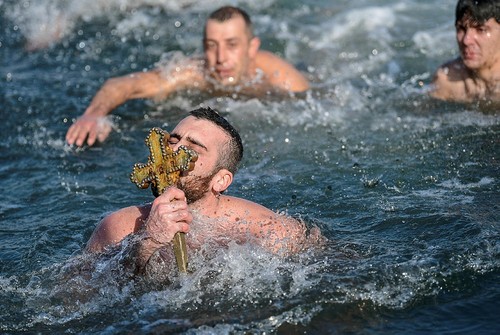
(479, 44)
(205, 138)
(228, 50)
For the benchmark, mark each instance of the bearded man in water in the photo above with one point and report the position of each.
(197, 206)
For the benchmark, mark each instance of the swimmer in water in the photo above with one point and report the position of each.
(198, 206)
(475, 74)
(232, 63)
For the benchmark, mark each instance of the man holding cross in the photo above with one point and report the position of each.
(197, 205)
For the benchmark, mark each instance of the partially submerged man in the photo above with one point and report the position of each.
(232, 63)
(197, 205)
(475, 74)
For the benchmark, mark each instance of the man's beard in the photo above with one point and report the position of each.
(195, 188)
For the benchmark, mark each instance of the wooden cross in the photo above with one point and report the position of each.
(162, 170)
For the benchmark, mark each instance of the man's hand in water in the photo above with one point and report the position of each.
(91, 128)
(169, 214)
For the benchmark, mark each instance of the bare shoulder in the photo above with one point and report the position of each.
(266, 57)
(182, 74)
(116, 226)
(243, 209)
(280, 72)
(449, 81)
(277, 232)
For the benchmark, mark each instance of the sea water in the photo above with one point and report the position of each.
(405, 188)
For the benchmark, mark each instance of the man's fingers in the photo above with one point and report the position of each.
(163, 225)
(71, 134)
(79, 136)
(91, 129)
(77, 133)
(183, 227)
(178, 215)
(171, 210)
(173, 194)
(91, 137)
(104, 131)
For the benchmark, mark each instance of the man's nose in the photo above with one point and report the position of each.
(221, 54)
(469, 36)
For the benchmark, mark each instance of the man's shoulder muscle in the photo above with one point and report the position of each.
(280, 72)
(116, 226)
(252, 213)
(269, 63)
(190, 74)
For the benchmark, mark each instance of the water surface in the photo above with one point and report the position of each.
(405, 188)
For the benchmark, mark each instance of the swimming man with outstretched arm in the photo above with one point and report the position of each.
(232, 63)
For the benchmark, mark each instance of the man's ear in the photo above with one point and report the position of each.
(222, 180)
(254, 47)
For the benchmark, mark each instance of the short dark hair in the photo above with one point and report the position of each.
(228, 12)
(479, 11)
(231, 154)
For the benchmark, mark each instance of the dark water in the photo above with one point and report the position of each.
(405, 188)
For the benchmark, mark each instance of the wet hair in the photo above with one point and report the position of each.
(231, 154)
(226, 13)
(478, 11)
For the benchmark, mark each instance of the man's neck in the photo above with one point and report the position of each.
(207, 206)
(490, 76)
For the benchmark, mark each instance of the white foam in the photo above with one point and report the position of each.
(373, 21)
(46, 22)
(458, 185)
(436, 42)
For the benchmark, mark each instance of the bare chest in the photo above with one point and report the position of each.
(480, 90)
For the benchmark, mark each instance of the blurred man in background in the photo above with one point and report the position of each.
(475, 74)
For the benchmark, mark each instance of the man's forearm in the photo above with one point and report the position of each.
(112, 94)
(138, 252)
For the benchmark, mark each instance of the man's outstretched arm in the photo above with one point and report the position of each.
(92, 125)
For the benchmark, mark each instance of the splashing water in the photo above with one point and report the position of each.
(404, 188)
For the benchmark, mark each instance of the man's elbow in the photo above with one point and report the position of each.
(302, 86)
(97, 243)
(105, 235)
(295, 85)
